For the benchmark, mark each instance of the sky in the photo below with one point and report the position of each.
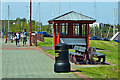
(103, 11)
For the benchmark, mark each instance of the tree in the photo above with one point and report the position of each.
(23, 20)
(17, 18)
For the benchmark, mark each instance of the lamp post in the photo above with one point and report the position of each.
(30, 24)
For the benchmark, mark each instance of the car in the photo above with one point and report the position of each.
(51, 34)
(34, 33)
(47, 35)
(105, 39)
(95, 38)
(117, 41)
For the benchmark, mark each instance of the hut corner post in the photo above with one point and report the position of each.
(88, 37)
(53, 35)
(58, 33)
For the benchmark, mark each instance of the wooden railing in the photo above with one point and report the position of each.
(40, 37)
(34, 39)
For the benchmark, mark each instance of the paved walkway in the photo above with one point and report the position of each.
(0, 58)
(28, 63)
(46, 48)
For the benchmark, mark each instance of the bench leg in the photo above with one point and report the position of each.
(69, 57)
(80, 59)
(103, 59)
(74, 59)
(99, 59)
(86, 59)
(83, 60)
(93, 61)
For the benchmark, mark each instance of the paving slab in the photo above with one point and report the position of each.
(0, 58)
(28, 64)
(46, 48)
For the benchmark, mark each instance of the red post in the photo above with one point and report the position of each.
(74, 28)
(86, 34)
(30, 24)
(80, 30)
(61, 28)
(85, 30)
(54, 34)
(70, 29)
(88, 37)
(71, 25)
(58, 34)
(65, 28)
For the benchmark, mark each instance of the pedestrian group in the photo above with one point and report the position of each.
(17, 36)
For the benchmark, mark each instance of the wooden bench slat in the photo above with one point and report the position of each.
(99, 54)
(73, 41)
(76, 48)
(76, 54)
(80, 48)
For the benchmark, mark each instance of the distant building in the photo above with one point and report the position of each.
(99, 25)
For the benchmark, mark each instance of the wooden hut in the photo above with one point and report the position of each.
(72, 28)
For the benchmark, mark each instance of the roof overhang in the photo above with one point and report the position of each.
(72, 21)
(72, 17)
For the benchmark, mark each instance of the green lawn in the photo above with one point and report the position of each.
(111, 46)
(47, 42)
(52, 52)
(111, 56)
(100, 72)
(96, 72)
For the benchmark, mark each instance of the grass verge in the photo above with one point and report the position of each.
(96, 72)
(47, 42)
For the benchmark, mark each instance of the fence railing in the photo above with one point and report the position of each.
(34, 39)
(39, 37)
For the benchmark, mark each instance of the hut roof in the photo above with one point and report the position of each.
(72, 16)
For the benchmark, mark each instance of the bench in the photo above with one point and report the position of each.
(77, 56)
(92, 51)
(73, 41)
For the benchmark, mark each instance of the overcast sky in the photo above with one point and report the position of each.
(102, 12)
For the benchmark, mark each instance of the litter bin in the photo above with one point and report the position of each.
(61, 58)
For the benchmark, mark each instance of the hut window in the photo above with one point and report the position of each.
(75, 29)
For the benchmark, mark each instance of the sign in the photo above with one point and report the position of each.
(56, 54)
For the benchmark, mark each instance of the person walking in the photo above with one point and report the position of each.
(17, 37)
(24, 35)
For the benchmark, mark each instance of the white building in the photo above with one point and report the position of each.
(99, 25)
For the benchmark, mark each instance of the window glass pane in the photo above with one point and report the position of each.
(75, 29)
(56, 29)
(66, 29)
